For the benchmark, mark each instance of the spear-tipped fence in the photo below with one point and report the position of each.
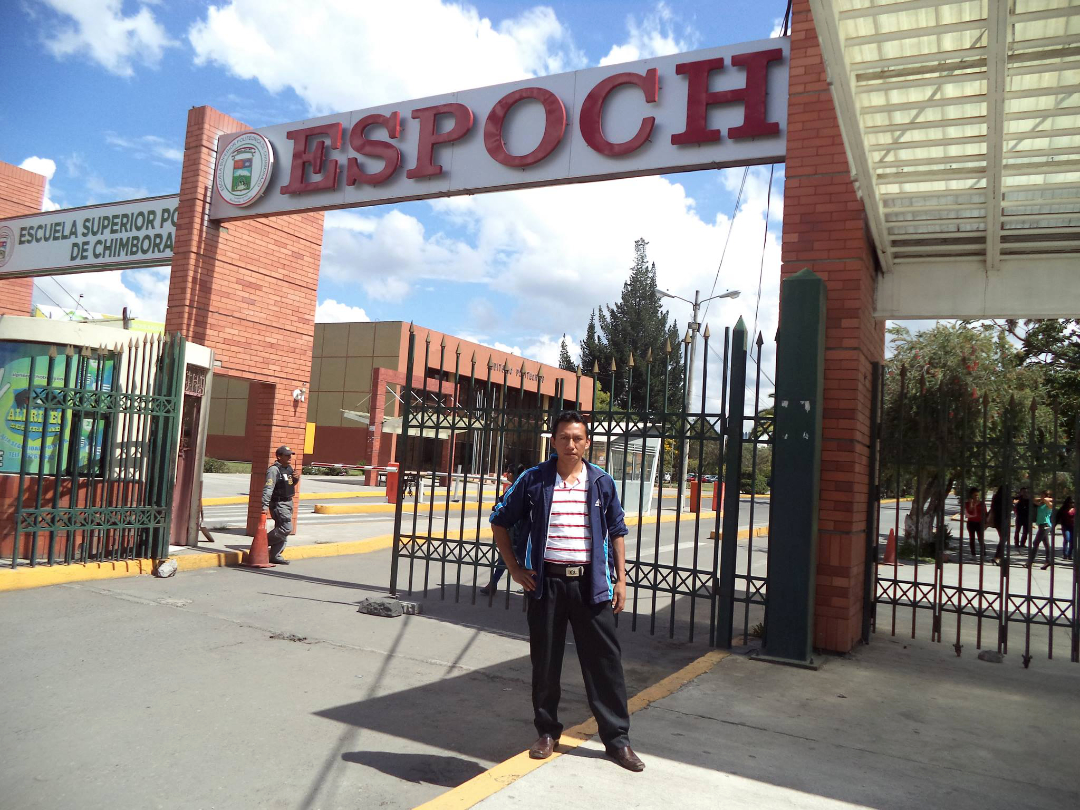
(96, 462)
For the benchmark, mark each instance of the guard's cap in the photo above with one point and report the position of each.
(285, 451)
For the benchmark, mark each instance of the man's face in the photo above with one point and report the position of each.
(571, 441)
(284, 459)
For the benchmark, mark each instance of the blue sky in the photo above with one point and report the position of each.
(96, 94)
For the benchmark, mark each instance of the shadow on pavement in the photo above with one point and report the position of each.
(431, 768)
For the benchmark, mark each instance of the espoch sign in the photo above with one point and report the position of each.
(135, 233)
(713, 108)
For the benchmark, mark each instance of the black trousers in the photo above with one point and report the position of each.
(567, 600)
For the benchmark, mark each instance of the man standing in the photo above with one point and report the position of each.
(574, 571)
(277, 502)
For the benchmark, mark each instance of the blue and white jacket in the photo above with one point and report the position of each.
(529, 500)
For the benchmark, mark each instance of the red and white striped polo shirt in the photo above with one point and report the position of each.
(569, 536)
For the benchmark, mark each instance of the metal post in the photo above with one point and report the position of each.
(725, 591)
(793, 528)
(687, 396)
(873, 506)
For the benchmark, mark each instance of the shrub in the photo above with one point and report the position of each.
(214, 465)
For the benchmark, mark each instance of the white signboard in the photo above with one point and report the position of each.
(713, 108)
(135, 233)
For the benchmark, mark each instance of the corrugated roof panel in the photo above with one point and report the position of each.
(945, 103)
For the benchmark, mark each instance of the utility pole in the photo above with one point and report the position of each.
(691, 348)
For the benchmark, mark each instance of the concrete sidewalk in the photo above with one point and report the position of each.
(899, 724)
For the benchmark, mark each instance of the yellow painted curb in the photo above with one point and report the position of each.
(223, 559)
(236, 500)
(388, 508)
(39, 576)
(505, 773)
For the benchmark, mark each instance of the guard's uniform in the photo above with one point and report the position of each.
(277, 496)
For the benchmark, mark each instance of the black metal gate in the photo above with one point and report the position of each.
(980, 583)
(98, 455)
(691, 572)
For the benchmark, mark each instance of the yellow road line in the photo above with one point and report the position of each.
(506, 773)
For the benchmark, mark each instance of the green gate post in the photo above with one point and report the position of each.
(793, 523)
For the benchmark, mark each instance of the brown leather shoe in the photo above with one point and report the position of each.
(542, 748)
(626, 758)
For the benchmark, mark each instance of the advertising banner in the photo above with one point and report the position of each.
(135, 233)
(50, 435)
(713, 108)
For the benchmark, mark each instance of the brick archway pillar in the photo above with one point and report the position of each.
(824, 229)
(247, 289)
(21, 192)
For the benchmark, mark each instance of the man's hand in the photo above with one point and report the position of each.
(618, 597)
(266, 511)
(525, 577)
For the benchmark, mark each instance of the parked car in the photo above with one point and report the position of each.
(691, 477)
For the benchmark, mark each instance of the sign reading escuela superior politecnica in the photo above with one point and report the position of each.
(133, 233)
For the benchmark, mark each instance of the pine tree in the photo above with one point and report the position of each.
(565, 362)
(637, 323)
(590, 347)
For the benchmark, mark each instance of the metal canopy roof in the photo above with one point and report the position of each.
(962, 126)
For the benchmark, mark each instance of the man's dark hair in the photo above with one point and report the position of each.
(572, 417)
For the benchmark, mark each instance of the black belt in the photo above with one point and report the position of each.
(565, 571)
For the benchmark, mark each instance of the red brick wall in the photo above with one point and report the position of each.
(21, 192)
(248, 291)
(824, 230)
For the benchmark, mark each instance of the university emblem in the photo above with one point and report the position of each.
(7, 244)
(243, 169)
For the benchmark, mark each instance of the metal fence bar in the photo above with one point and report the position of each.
(725, 598)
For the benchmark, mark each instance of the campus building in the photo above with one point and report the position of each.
(353, 396)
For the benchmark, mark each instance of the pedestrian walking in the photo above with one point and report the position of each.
(574, 571)
(1066, 519)
(277, 502)
(518, 534)
(1023, 518)
(1044, 506)
(997, 520)
(975, 512)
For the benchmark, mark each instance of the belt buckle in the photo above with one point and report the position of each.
(575, 570)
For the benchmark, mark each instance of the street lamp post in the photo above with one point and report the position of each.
(691, 341)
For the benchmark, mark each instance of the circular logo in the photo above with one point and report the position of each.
(7, 244)
(244, 168)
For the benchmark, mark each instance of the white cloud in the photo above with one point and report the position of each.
(364, 56)
(99, 30)
(386, 254)
(143, 292)
(47, 167)
(652, 35)
(147, 147)
(331, 311)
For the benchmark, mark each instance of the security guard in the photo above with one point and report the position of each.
(277, 502)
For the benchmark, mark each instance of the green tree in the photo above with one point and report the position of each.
(943, 387)
(635, 325)
(1053, 346)
(591, 350)
(565, 362)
